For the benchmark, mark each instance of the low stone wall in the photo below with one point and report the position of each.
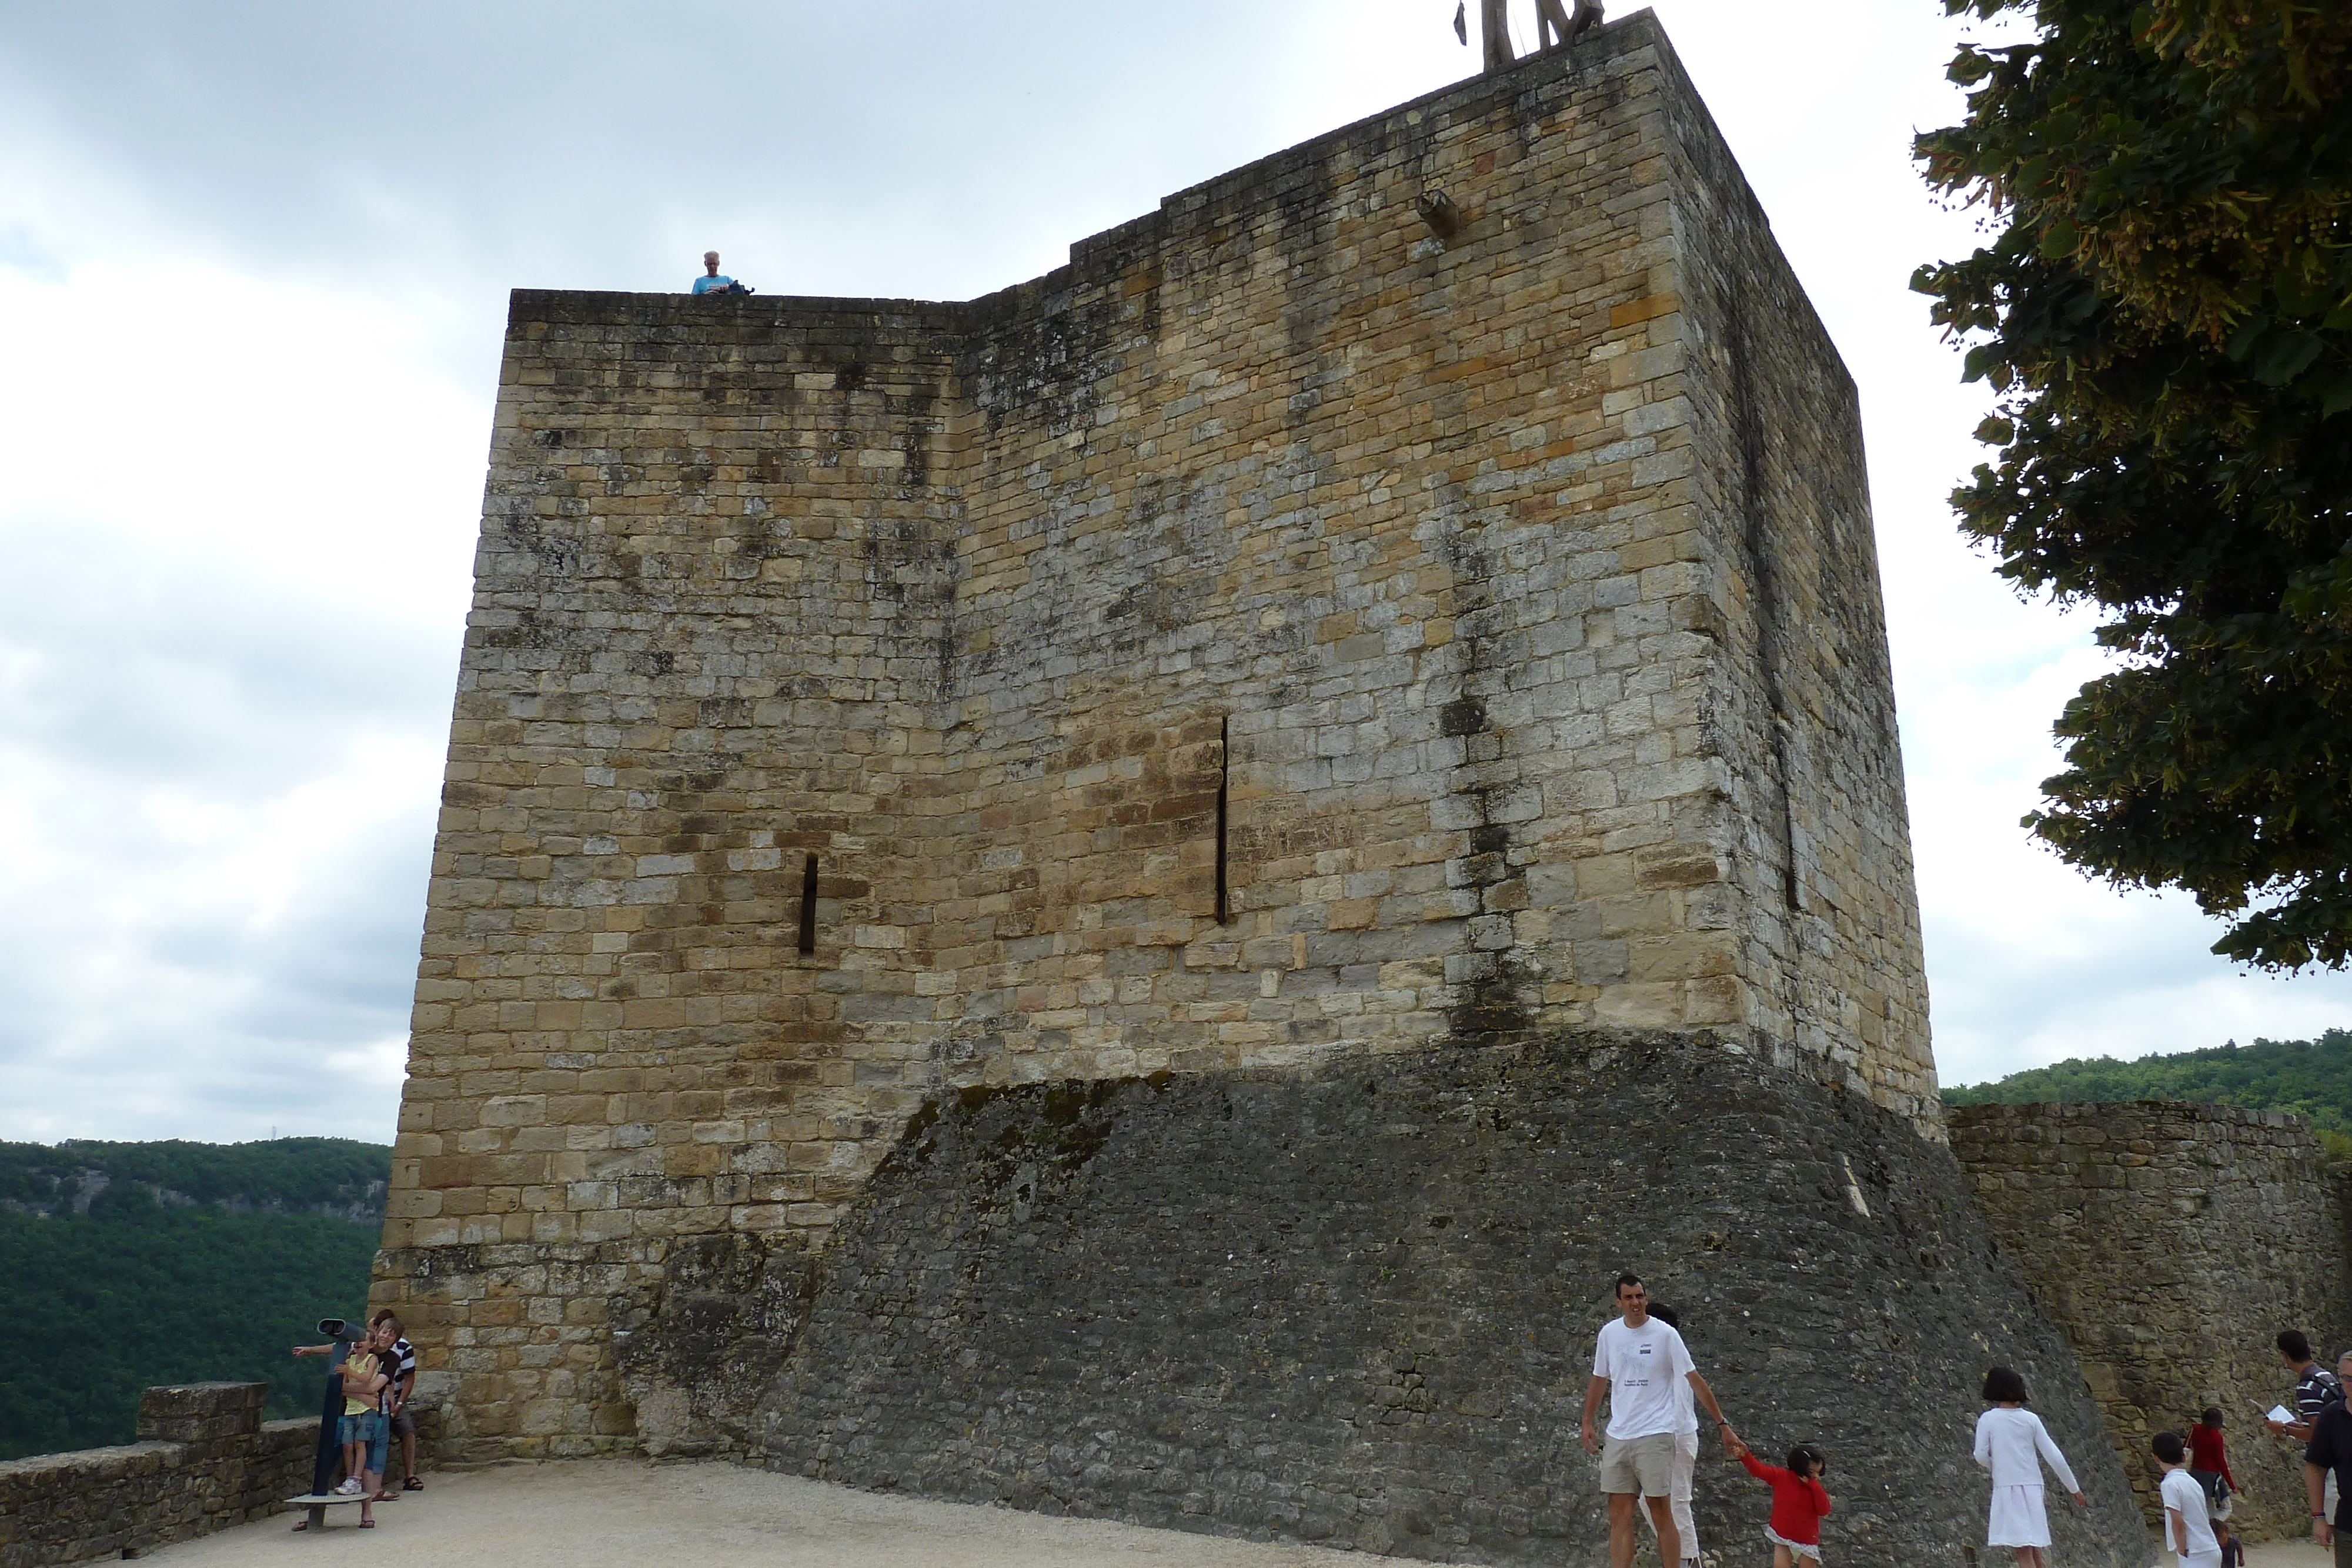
(205, 1460)
(2170, 1242)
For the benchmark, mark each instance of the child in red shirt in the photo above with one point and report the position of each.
(2208, 1456)
(1798, 1503)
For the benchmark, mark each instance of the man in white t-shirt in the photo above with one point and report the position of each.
(1636, 1362)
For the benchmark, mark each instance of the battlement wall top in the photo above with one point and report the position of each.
(698, 313)
(2127, 1117)
(1298, 175)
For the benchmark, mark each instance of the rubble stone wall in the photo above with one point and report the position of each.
(2170, 1243)
(1355, 1305)
(205, 1460)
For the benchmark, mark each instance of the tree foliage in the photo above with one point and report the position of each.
(2164, 311)
(2312, 1078)
(97, 1306)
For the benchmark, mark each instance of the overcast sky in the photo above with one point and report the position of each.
(253, 269)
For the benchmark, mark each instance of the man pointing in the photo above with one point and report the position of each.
(1635, 1363)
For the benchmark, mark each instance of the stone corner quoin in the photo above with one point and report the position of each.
(1284, 635)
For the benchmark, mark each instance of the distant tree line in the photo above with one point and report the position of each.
(284, 1173)
(98, 1305)
(2312, 1078)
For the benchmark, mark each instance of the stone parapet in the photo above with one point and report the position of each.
(205, 1460)
(2171, 1242)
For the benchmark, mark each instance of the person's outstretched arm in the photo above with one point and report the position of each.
(2056, 1460)
(1706, 1397)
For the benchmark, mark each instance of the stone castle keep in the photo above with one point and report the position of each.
(1124, 897)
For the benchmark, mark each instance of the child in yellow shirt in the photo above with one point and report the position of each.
(362, 1429)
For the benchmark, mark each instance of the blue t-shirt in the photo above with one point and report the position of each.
(711, 285)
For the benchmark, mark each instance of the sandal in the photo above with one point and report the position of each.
(367, 1524)
(412, 1484)
(385, 1496)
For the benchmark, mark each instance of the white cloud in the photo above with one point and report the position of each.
(253, 264)
(238, 524)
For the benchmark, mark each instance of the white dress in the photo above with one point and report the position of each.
(2012, 1445)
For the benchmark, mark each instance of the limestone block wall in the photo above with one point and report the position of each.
(1803, 700)
(1287, 635)
(203, 1461)
(2171, 1242)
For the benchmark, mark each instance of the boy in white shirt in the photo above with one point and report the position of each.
(1685, 1448)
(2186, 1532)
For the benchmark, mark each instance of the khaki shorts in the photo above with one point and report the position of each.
(1644, 1464)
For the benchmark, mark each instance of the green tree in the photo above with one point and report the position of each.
(190, 1261)
(2165, 312)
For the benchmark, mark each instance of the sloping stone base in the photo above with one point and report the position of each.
(1355, 1306)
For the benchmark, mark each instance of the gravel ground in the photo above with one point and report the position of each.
(625, 1513)
(628, 1514)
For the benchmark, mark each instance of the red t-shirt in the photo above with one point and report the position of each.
(1798, 1505)
(2206, 1453)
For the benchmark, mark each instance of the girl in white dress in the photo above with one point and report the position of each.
(2012, 1445)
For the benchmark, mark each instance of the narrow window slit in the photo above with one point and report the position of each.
(808, 906)
(1224, 781)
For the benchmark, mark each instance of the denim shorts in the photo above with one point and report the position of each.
(366, 1427)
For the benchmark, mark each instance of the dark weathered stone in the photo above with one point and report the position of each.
(1355, 1306)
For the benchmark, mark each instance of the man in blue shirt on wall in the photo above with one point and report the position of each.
(715, 282)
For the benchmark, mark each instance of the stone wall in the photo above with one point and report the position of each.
(2171, 1242)
(1287, 635)
(203, 1461)
(1355, 1305)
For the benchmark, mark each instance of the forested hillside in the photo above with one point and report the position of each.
(127, 1265)
(2310, 1077)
